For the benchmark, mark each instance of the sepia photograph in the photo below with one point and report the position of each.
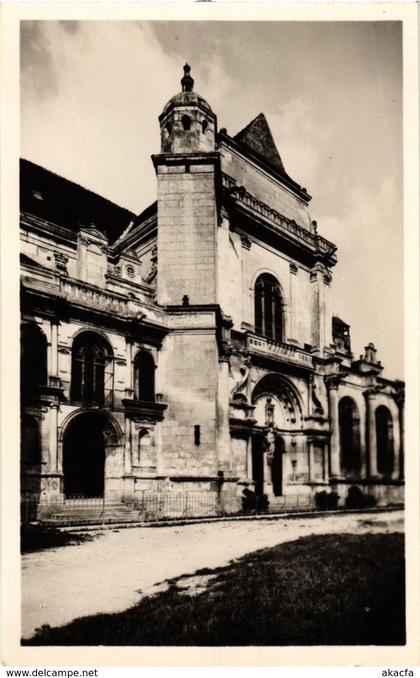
(212, 333)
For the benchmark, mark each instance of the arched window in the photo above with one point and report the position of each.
(144, 377)
(268, 308)
(384, 440)
(33, 362)
(186, 122)
(92, 369)
(204, 126)
(349, 426)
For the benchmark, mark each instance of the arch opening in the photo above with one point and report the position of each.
(277, 403)
(85, 442)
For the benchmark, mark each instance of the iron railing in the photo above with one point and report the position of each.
(149, 506)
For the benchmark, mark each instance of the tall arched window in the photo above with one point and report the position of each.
(33, 362)
(144, 377)
(268, 308)
(384, 440)
(91, 372)
(349, 425)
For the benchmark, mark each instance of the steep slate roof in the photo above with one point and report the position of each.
(58, 200)
(257, 137)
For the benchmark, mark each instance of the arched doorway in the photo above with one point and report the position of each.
(84, 447)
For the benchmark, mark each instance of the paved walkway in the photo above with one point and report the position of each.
(112, 572)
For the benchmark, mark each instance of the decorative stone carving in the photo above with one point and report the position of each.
(61, 262)
(332, 381)
(238, 374)
(317, 408)
(246, 242)
(114, 269)
(327, 278)
(269, 412)
(153, 271)
(270, 441)
(370, 354)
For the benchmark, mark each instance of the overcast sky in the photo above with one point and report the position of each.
(91, 93)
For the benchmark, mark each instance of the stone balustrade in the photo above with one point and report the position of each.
(241, 195)
(278, 349)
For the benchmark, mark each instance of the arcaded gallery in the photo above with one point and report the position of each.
(178, 361)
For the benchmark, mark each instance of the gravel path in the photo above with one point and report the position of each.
(112, 572)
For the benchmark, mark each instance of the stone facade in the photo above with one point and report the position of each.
(193, 347)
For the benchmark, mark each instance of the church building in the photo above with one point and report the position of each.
(192, 348)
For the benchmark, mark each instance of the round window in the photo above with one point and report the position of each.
(130, 271)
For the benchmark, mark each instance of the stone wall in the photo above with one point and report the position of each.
(186, 234)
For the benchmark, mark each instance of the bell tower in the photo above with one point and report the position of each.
(186, 172)
(187, 123)
(187, 215)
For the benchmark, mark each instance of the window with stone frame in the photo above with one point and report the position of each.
(144, 377)
(92, 369)
(268, 308)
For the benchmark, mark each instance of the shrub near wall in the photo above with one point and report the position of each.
(356, 499)
(326, 501)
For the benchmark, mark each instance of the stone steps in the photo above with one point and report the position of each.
(72, 513)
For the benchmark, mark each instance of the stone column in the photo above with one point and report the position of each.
(129, 366)
(400, 404)
(54, 465)
(311, 474)
(249, 458)
(291, 329)
(332, 385)
(127, 446)
(44, 424)
(53, 367)
(224, 456)
(397, 448)
(267, 482)
(370, 396)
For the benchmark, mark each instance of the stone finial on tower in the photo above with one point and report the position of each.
(187, 81)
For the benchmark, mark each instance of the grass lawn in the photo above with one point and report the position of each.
(329, 589)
